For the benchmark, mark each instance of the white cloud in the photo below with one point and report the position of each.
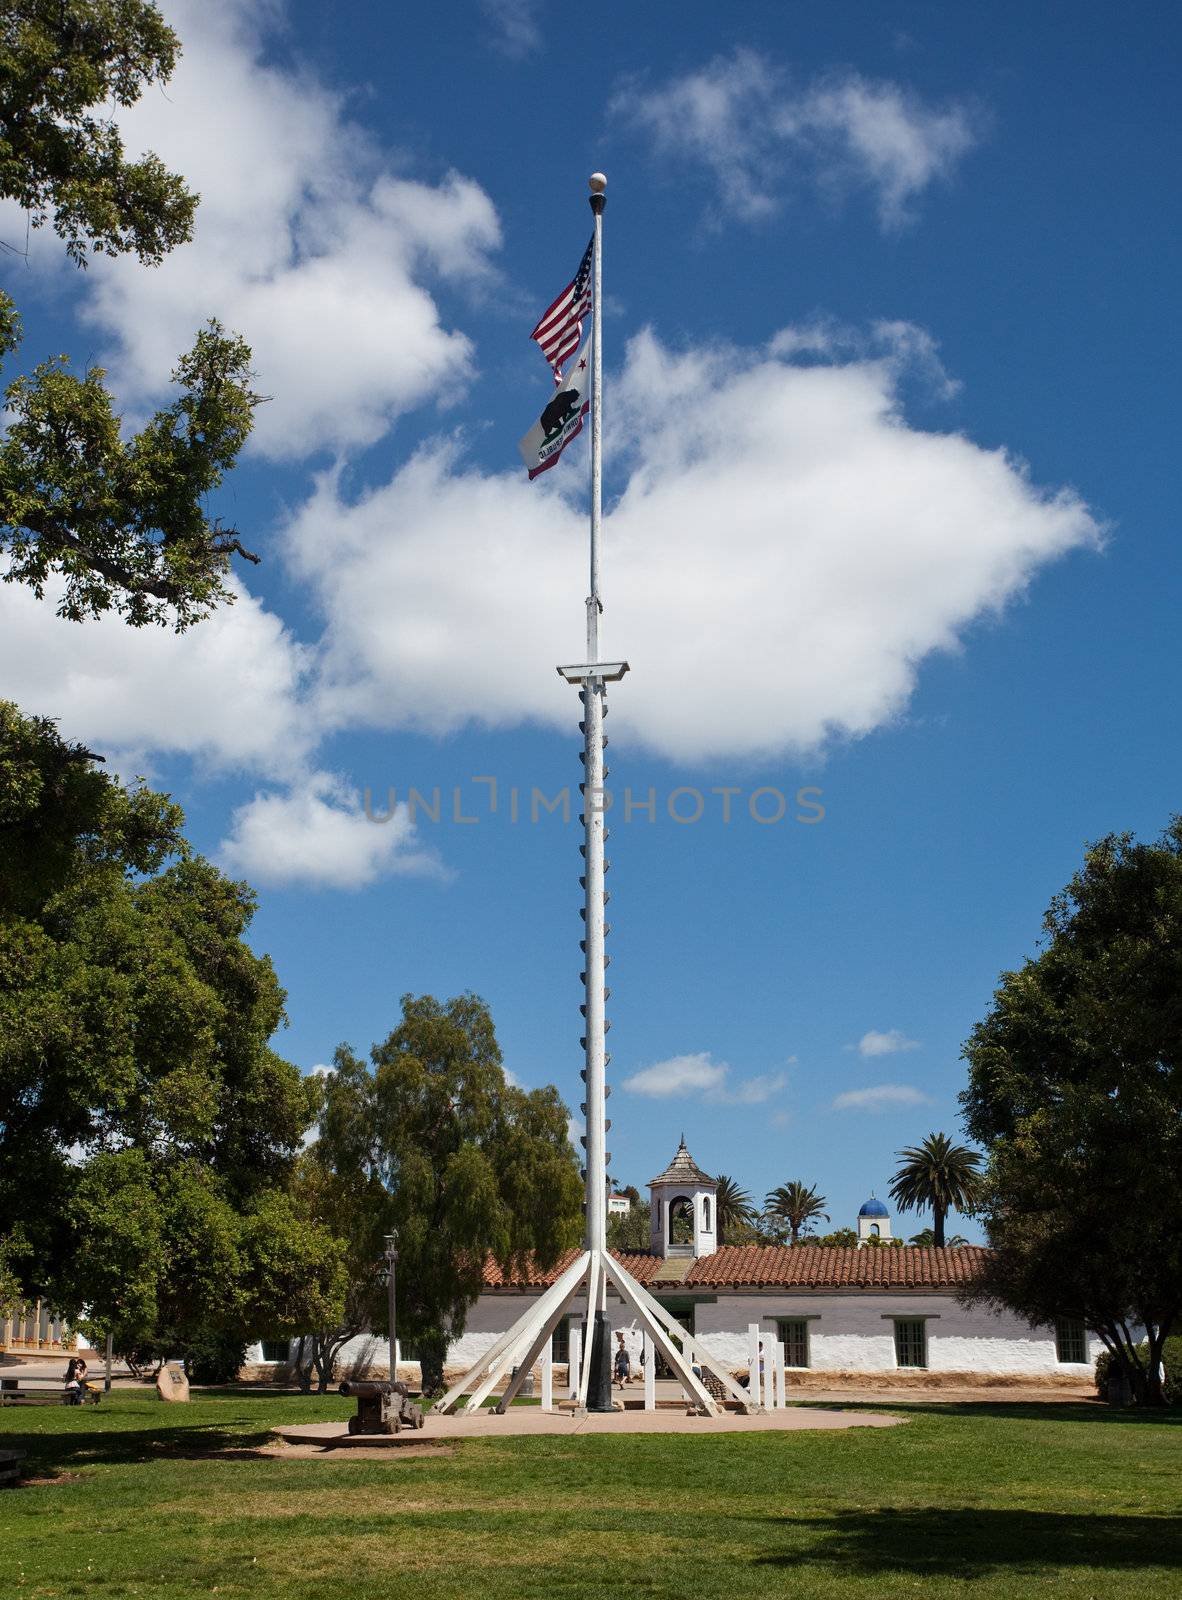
(321, 1070)
(883, 1097)
(855, 545)
(692, 1074)
(890, 1043)
(515, 26)
(227, 693)
(317, 835)
(303, 244)
(743, 120)
(700, 1074)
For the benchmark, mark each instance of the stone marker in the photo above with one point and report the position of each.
(171, 1383)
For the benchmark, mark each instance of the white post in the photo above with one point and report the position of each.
(548, 1378)
(650, 1373)
(592, 692)
(780, 1379)
(754, 1387)
(575, 1359)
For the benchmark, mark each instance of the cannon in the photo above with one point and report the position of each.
(382, 1407)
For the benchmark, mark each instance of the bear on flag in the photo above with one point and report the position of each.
(562, 417)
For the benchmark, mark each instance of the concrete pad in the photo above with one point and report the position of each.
(526, 1421)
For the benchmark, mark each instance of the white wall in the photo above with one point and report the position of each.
(847, 1333)
(851, 1334)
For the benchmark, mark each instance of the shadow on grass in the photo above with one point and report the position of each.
(48, 1454)
(1012, 1410)
(935, 1542)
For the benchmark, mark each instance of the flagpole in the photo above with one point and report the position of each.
(511, 1356)
(598, 184)
(594, 774)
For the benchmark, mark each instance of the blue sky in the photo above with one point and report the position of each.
(891, 427)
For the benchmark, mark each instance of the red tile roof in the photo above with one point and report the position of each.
(780, 1267)
(822, 1267)
(639, 1263)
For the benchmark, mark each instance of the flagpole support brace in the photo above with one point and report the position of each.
(594, 672)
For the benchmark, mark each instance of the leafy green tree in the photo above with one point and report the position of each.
(147, 1130)
(633, 1231)
(839, 1239)
(925, 1239)
(732, 1206)
(354, 1206)
(1075, 1093)
(796, 1205)
(939, 1176)
(60, 61)
(121, 520)
(473, 1166)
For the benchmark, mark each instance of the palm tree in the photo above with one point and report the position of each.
(732, 1206)
(939, 1174)
(796, 1206)
(925, 1239)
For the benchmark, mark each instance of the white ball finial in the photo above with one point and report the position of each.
(597, 182)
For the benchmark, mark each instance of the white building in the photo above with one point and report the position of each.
(848, 1312)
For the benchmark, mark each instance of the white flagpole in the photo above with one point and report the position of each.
(592, 693)
(594, 605)
(594, 1267)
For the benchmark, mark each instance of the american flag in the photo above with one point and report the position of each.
(560, 327)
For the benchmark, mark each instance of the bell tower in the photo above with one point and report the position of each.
(683, 1199)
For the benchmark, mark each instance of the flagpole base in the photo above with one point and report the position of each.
(522, 1344)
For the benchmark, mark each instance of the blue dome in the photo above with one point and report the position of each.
(874, 1208)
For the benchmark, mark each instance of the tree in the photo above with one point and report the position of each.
(355, 1208)
(472, 1165)
(147, 1130)
(839, 1239)
(797, 1206)
(122, 521)
(59, 61)
(937, 1175)
(1075, 1092)
(632, 1231)
(732, 1206)
(925, 1239)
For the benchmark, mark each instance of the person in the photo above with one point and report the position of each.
(623, 1362)
(73, 1381)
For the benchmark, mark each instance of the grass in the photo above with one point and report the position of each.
(133, 1497)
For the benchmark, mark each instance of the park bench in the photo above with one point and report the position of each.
(42, 1392)
(381, 1407)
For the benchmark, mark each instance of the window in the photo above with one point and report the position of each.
(910, 1343)
(793, 1334)
(275, 1350)
(1071, 1340)
(706, 1212)
(875, 1231)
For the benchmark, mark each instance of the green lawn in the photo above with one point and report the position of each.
(988, 1501)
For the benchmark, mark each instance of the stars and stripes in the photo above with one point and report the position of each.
(560, 327)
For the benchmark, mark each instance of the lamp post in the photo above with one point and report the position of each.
(391, 1257)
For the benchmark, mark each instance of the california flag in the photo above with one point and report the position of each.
(562, 418)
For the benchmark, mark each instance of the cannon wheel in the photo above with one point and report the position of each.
(419, 1420)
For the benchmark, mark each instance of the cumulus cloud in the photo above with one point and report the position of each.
(855, 545)
(303, 243)
(744, 120)
(699, 1074)
(317, 835)
(515, 26)
(227, 693)
(883, 1097)
(890, 1043)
